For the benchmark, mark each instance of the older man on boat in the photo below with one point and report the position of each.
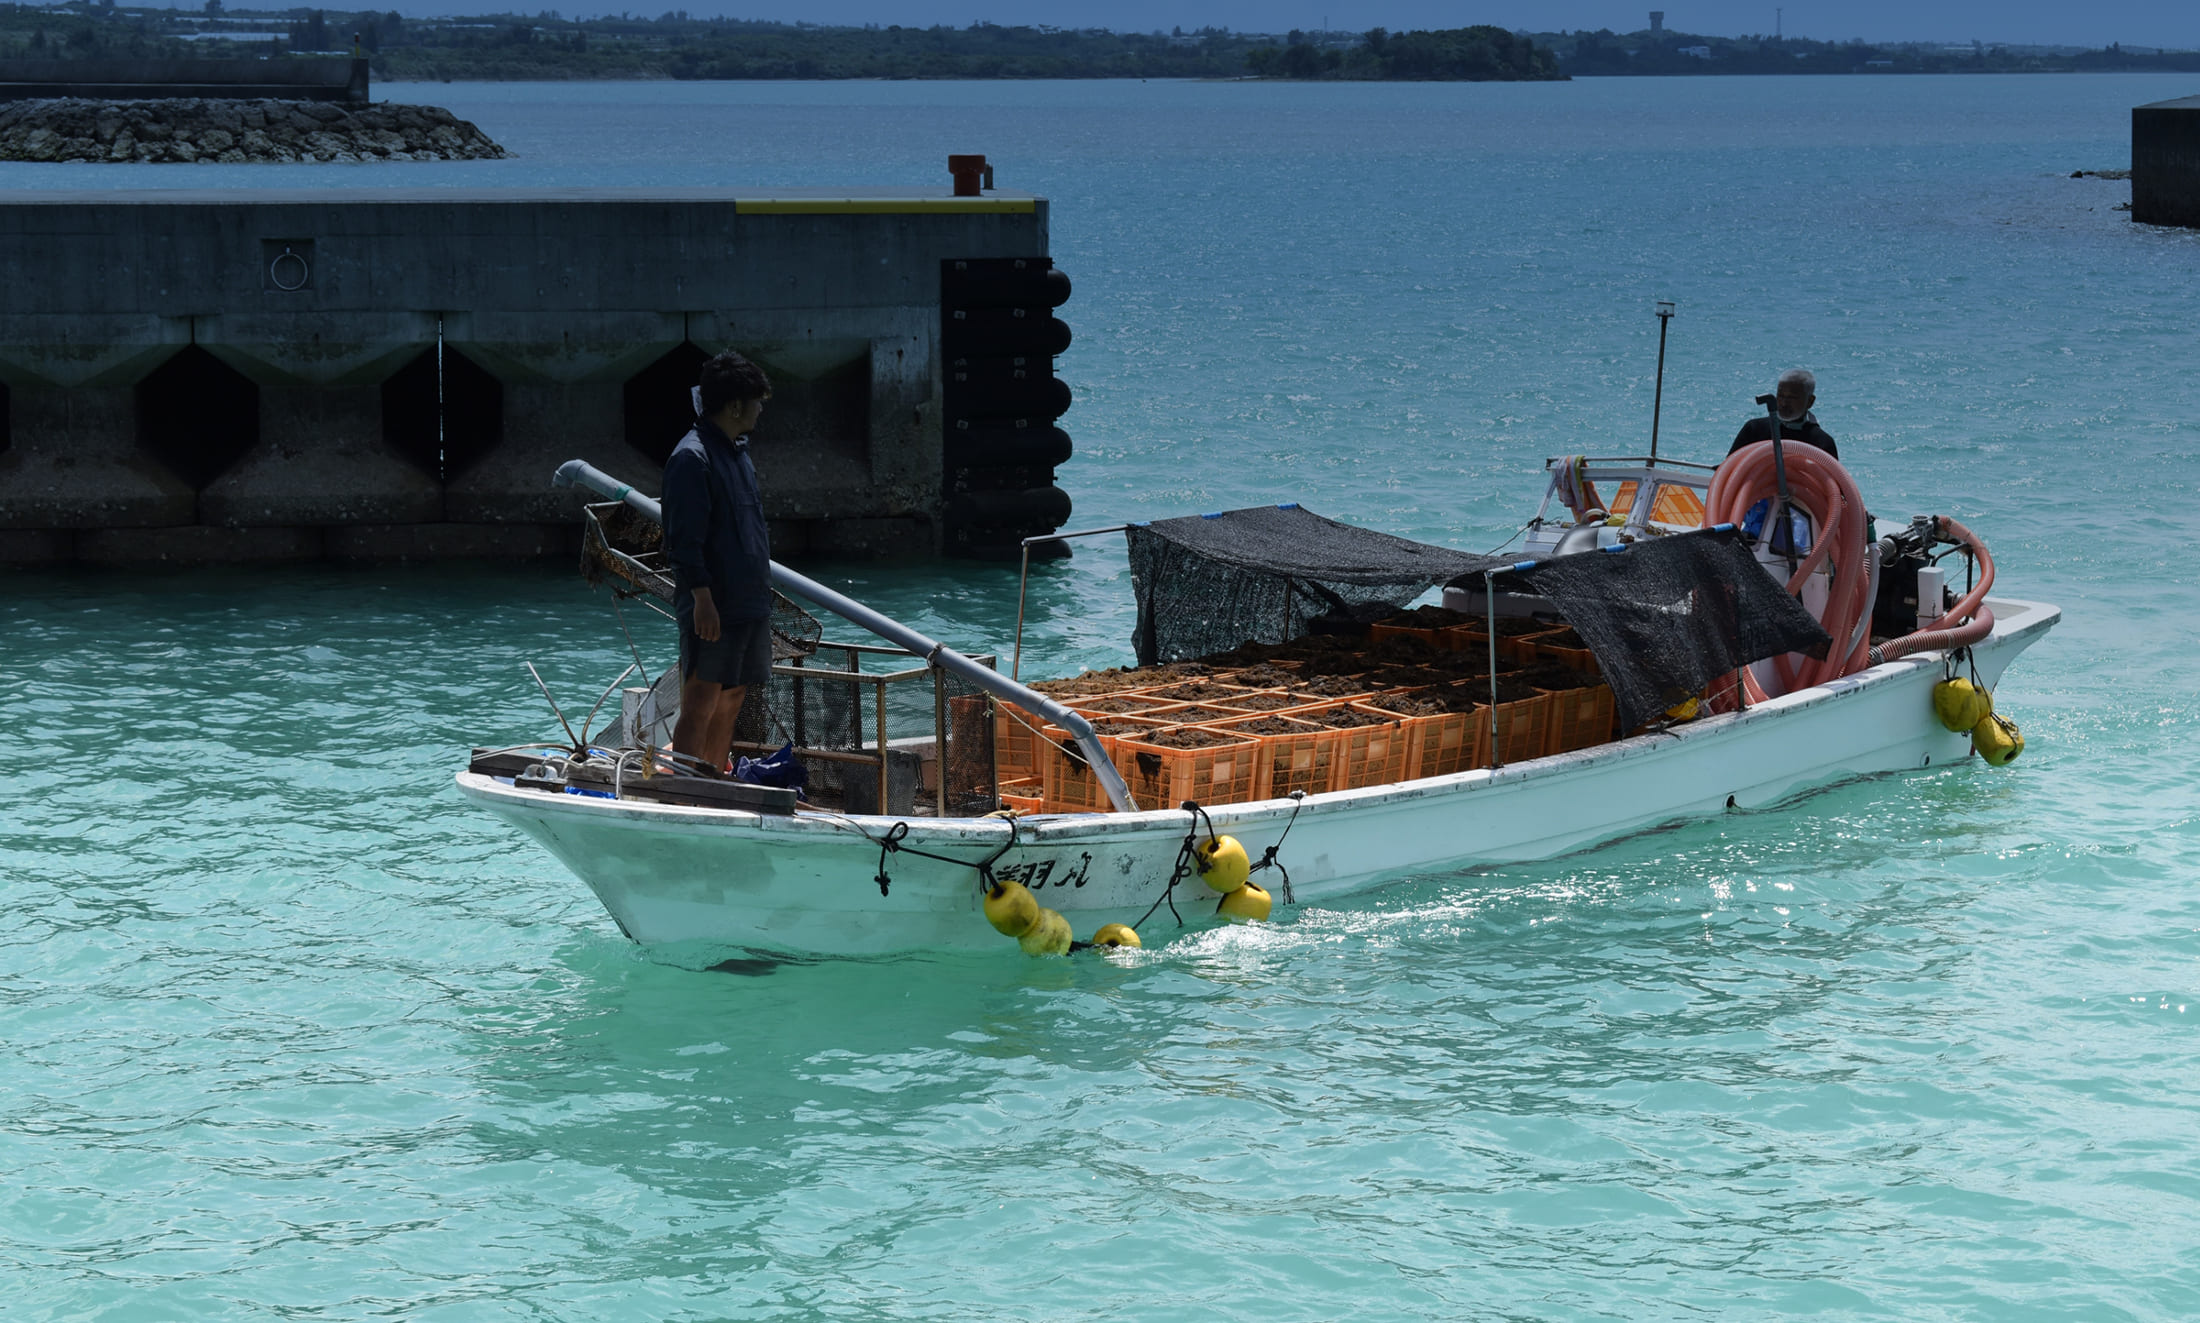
(720, 551)
(1792, 398)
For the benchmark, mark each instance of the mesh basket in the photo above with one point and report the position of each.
(935, 721)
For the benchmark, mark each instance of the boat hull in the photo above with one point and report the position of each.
(825, 883)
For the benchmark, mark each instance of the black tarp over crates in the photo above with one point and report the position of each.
(1000, 399)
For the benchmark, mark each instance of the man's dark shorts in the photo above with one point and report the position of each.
(741, 656)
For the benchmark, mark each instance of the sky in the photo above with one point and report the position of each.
(2174, 23)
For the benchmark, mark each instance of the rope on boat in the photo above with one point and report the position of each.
(1268, 857)
(891, 843)
(1187, 858)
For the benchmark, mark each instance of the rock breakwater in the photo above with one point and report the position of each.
(236, 132)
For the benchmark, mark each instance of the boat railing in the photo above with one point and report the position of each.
(580, 473)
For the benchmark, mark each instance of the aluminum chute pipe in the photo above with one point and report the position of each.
(579, 473)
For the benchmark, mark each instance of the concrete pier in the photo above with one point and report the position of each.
(311, 79)
(388, 373)
(2165, 162)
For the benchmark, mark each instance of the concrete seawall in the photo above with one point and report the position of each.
(377, 374)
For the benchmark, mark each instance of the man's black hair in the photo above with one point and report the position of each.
(731, 379)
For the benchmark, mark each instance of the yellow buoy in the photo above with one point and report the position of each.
(1247, 902)
(1997, 739)
(1011, 908)
(1116, 934)
(1222, 863)
(1049, 936)
(1960, 704)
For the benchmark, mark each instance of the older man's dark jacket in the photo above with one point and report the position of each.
(1805, 430)
(715, 536)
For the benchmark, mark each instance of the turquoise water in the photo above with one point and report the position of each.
(292, 1033)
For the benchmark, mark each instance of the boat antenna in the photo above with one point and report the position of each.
(578, 747)
(1657, 402)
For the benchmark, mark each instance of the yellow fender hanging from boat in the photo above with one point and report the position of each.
(1997, 739)
(1961, 705)
(1222, 863)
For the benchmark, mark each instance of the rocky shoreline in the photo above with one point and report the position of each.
(236, 132)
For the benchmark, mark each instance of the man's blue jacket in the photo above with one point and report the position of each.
(714, 527)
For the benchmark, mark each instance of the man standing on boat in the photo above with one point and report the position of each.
(720, 552)
(1797, 391)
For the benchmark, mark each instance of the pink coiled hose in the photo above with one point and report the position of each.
(1823, 489)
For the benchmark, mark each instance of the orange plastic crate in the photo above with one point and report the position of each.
(1015, 742)
(1580, 718)
(1203, 689)
(1027, 794)
(1377, 633)
(1066, 779)
(1197, 714)
(1162, 777)
(1119, 704)
(1580, 659)
(1522, 727)
(1471, 638)
(1374, 755)
(1441, 743)
(1302, 758)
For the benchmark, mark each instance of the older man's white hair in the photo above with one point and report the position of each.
(1800, 377)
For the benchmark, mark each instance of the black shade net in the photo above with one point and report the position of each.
(1667, 616)
(1208, 583)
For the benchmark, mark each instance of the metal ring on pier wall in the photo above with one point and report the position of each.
(274, 272)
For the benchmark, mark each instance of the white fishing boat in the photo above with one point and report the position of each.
(678, 859)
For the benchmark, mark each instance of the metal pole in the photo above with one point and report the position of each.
(1657, 402)
(1016, 664)
(884, 780)
(939, 740)
(1023, 578)
(579, 473)
(1489, 600)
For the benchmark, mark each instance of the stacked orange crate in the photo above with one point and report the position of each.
(1380, 633)
(1027, 794)
(1516, 637)
(1567, 648)
(1067, 778)
(1521, 724)
(1293, 754)
(1015, 742)
(1167, 767)
(1438, 741)
(1580, 718)
(1375, 748)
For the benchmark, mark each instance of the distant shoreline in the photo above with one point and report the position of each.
(679, 48)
